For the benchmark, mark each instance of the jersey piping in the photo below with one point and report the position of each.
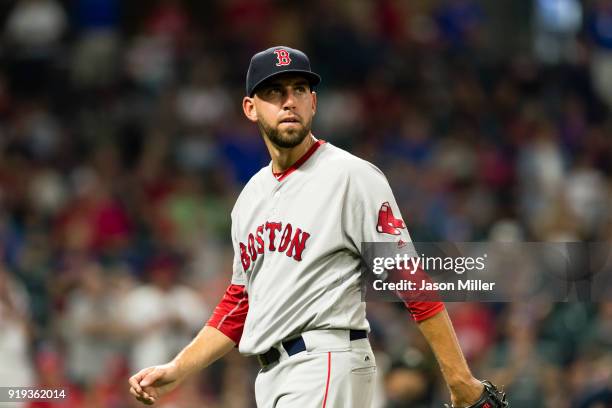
(284, 174)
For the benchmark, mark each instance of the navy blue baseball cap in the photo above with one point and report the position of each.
(278, 60)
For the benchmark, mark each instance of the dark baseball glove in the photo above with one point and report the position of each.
(491, 398)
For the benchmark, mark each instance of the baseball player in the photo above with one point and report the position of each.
(294, 301)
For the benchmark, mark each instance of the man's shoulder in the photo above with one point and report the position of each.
(255, 184)
(258, 178)
(347, 164)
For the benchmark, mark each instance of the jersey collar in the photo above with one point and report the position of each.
(284, 174)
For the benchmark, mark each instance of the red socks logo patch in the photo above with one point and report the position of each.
(387, 223)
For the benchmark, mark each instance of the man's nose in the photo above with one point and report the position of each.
(289, 99)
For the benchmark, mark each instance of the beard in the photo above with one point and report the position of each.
(286, 138)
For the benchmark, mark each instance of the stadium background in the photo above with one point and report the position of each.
(123, 148)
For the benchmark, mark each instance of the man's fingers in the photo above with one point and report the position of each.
(137, 378)
(151, 377)
(142, 379)
(134, 385)
(142, 397)
(138, 394)
(146, 401)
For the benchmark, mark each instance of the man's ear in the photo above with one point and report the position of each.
(314, 103)
(248, 107)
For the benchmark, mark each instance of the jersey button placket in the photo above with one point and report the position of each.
(275, 200)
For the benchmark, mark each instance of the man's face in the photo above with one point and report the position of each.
(283, 109)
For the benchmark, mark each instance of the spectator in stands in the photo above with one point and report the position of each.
(16, 368)
(161, 315)
(91, 326)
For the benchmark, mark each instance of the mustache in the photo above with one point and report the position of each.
(291, 118)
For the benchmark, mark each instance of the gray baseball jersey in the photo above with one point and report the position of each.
(297, 240)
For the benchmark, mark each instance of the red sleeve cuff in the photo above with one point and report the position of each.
(422, 304)
(231, 312)
(424, 310)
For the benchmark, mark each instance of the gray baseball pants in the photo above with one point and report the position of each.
(333, 372)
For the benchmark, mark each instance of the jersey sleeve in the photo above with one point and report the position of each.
(238, 275)
(371, 214)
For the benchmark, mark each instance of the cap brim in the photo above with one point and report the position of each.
(313, 79)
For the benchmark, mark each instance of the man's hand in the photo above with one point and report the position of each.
(465, 395)
(149, 384)
(208, 346)
(490, 397)
(465, 390)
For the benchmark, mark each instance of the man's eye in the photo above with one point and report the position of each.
(301, 89)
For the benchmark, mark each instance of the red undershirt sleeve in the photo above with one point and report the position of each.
(424, 310)
(421, 304)
(231, 312)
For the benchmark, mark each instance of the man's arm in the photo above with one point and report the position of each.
(207, 347)
(440, 334)
(221, 333)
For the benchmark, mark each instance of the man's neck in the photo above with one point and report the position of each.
(283, 158)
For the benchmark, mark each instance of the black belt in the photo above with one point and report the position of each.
(297, 345)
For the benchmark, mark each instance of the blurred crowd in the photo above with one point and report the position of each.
(123, 148)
